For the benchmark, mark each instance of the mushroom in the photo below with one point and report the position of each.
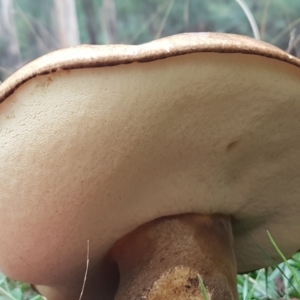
(172, 159)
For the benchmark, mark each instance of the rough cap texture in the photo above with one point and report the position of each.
(91, 56)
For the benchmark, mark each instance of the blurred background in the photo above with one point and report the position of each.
(29, 29)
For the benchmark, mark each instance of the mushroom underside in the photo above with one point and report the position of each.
(95, 153)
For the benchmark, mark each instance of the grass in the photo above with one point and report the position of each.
(13, 290)
(278, 282)
(202, 288)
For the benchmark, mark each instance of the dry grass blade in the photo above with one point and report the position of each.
(285, 31)
(296, 42)
(264, 19)
(31, 27)
(291, 41)
(86, 270)
(250, 18)
(163, 23)
(6, 70)
(152, 18)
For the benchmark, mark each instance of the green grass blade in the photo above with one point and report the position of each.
(38, 297)
(202, 288)
(245, 288)
(6, 294)
(285, 261)
(266, 281)
(250, 294)
(264, 251)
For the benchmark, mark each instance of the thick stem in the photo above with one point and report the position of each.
(163, 259)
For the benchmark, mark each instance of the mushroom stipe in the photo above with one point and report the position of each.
(174, 251)
(172, 158)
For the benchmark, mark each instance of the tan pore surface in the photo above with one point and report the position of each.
(90, 154)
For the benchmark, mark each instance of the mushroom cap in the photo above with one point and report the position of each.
(97, 140)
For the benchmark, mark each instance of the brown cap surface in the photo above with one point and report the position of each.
(97, 140)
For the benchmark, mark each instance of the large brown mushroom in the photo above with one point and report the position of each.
(172, 159)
